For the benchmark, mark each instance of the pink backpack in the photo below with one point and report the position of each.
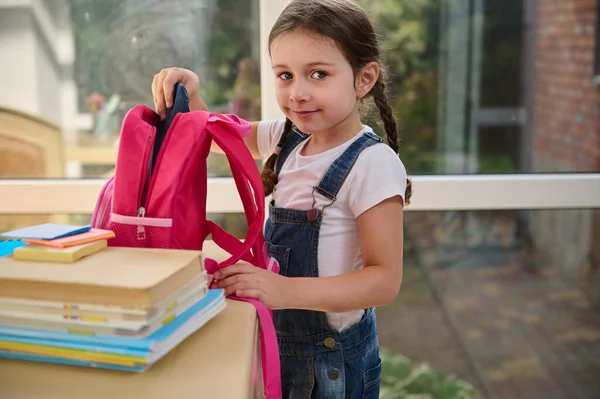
(167, 208)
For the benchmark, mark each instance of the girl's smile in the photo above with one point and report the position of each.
(305, 114)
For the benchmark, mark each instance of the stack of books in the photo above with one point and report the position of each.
(115, 308)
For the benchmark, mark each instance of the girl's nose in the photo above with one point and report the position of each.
(300, 92)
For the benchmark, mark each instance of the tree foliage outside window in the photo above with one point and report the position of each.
(121, 44)
(409, 35)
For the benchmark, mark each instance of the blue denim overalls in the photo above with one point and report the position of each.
(316, 360)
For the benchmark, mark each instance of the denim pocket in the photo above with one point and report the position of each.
(371, 382)
(281, 254)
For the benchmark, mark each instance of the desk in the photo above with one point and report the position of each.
(218, 361)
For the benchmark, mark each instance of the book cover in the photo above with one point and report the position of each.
(68, 362)
(8, 247)
(60, 255)
(213, 299)
(109, 312)
(73, 240)
(46, 231)
(126, 357)
(99, 325)
(129, 277)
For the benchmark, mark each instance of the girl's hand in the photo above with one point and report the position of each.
(164, 83)
(245, 280)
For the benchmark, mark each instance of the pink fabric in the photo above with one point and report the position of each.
(168, 209)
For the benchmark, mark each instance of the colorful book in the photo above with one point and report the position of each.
(8, 247)
(68, 362)
(109, 352)
(60, 255)
(46, 231)
(73, 240)
(98, 325)
(70, 310)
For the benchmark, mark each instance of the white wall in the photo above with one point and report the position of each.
(30, 63)
(18, 77)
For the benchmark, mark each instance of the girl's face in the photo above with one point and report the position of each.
(314, 83)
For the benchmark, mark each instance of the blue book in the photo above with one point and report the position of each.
(8, 247)
(46, 231)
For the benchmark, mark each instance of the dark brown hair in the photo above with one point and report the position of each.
(347, 24)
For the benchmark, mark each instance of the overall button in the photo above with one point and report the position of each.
(312, 215)
(329, 343)
(333, 374)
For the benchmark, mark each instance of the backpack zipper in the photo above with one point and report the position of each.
(143, 198)
(149, 180)
(141, 230)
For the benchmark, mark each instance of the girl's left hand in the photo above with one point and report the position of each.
(247, 281)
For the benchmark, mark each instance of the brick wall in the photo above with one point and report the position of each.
(565, 133)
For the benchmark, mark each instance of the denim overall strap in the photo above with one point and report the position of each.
(294, 138)
(334, 178)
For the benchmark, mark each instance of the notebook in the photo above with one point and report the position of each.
(101, 325)
(77, 239)
(109, 312)
(46, 231)
(109, 352)
(127, 277)
(60, 255)
(8, 247)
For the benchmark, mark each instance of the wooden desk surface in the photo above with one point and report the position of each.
(218, 361)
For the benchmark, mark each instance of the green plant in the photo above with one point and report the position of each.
(496, 164)
(401, 379)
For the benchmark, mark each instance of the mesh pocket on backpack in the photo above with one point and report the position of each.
(129, 235)
(158, 237)
(141, 232)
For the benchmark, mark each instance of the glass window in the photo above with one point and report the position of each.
(76, 67)
(504, 301)
(80, 65)
(516, 75)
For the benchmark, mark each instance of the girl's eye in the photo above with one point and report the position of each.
(318, 75)
(285, 76)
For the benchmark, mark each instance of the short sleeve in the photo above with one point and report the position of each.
(378, 174)
(268, 134)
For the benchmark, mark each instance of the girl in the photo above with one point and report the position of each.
(335, 221)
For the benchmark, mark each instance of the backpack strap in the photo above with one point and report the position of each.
(227, 132)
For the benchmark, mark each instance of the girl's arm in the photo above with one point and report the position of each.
(198, 104)
(250, 141)
(381, 240)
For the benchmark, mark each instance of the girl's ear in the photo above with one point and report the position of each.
(366, 79)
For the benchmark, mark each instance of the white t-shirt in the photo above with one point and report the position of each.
(378, 174)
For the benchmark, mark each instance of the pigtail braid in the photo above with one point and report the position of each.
(390, 126)
(269, 177)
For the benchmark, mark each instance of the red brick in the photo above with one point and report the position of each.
(565, 99)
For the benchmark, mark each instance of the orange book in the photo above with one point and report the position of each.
(78, 239)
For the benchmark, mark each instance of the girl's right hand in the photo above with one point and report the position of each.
(164, 83)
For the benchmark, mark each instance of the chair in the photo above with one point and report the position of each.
(30, 148)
